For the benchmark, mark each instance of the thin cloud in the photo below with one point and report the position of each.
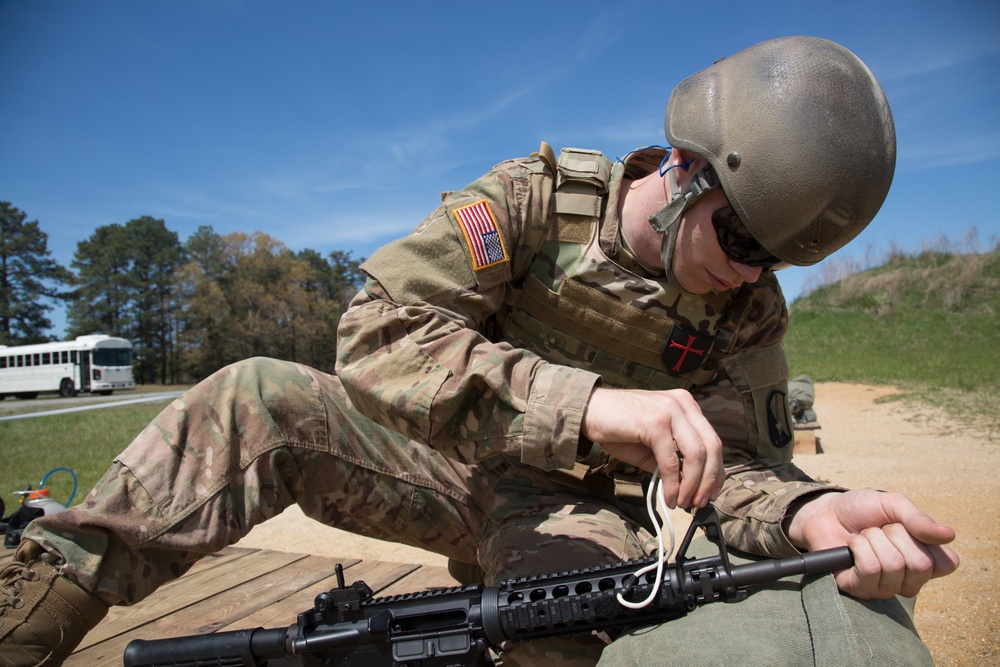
(955, 152)
(438, 135)
(325, 232)
(922, 58)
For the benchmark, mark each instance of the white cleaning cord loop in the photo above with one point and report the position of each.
(655, 488)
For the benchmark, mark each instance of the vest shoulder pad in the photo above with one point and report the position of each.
(580, 165)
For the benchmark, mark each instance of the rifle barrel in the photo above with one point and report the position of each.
(238, 648)
(814, 562)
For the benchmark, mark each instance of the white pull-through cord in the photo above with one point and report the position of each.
(655, 488)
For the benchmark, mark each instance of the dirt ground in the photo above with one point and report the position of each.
(947, 469)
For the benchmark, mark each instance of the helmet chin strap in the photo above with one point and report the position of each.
(667, 221)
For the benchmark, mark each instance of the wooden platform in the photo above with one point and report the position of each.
(240, 588)
(807, 439)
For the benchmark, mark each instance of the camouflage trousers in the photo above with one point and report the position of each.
(262, 434)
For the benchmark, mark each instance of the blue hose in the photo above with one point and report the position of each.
(54, 470)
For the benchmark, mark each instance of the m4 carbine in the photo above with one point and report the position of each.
(454, 627)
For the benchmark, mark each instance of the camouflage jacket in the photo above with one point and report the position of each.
(424, 348)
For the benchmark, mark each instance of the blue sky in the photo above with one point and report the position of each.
(335, 126)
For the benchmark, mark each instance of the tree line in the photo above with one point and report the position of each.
(189, 308)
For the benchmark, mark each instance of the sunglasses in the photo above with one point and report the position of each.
(737, 241)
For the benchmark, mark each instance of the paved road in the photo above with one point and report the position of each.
(78, 403)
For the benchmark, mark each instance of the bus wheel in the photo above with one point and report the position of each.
(66, 388)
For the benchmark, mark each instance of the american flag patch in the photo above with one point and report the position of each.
(481, 234)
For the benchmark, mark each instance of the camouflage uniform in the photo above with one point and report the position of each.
(453, 422)
(477, 357)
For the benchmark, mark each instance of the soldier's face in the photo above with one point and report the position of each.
(699, 264)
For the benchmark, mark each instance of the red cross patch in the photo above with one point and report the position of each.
(684, 351)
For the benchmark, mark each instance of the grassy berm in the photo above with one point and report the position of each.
(927, 323)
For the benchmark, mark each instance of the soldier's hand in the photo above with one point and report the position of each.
(897, 547)
(660, 430)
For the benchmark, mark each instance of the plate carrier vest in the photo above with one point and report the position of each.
(579, 307)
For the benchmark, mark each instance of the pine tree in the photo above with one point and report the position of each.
(125, 287)
(28, 274)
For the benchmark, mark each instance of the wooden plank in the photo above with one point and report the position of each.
(207, 562)
(211, 560)
(806, 442)
(428, 576)
(806, 439)
(380, 575)
(185, 592)
(232, 607)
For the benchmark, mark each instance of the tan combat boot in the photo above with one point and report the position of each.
(43, 615)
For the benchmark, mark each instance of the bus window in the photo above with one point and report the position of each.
(37, 359)
(113, 356)
(65, 356)
(72, 356)
(46, 358)
(3, 362)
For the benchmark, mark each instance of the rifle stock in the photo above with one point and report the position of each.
(454, 627)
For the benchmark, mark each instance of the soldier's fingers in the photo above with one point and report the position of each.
(635, 453)
(922, 561)
(699, 421)
(891, 562)
(668, 464)
(861, 580)
(900, 509)
(687, 442)
(712, 473)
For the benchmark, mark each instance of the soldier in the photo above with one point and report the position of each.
(514, 369)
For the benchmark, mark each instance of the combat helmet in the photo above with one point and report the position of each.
(800, 137)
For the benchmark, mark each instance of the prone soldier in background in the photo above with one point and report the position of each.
(514, 370)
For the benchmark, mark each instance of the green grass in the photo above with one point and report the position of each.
(928, 323)
(86, 442)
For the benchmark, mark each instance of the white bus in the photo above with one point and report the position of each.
(97, 363)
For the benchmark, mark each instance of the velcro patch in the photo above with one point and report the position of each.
(482, 234)
(684, 351)
(778, 419)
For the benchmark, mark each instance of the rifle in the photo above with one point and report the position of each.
(454, 627)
